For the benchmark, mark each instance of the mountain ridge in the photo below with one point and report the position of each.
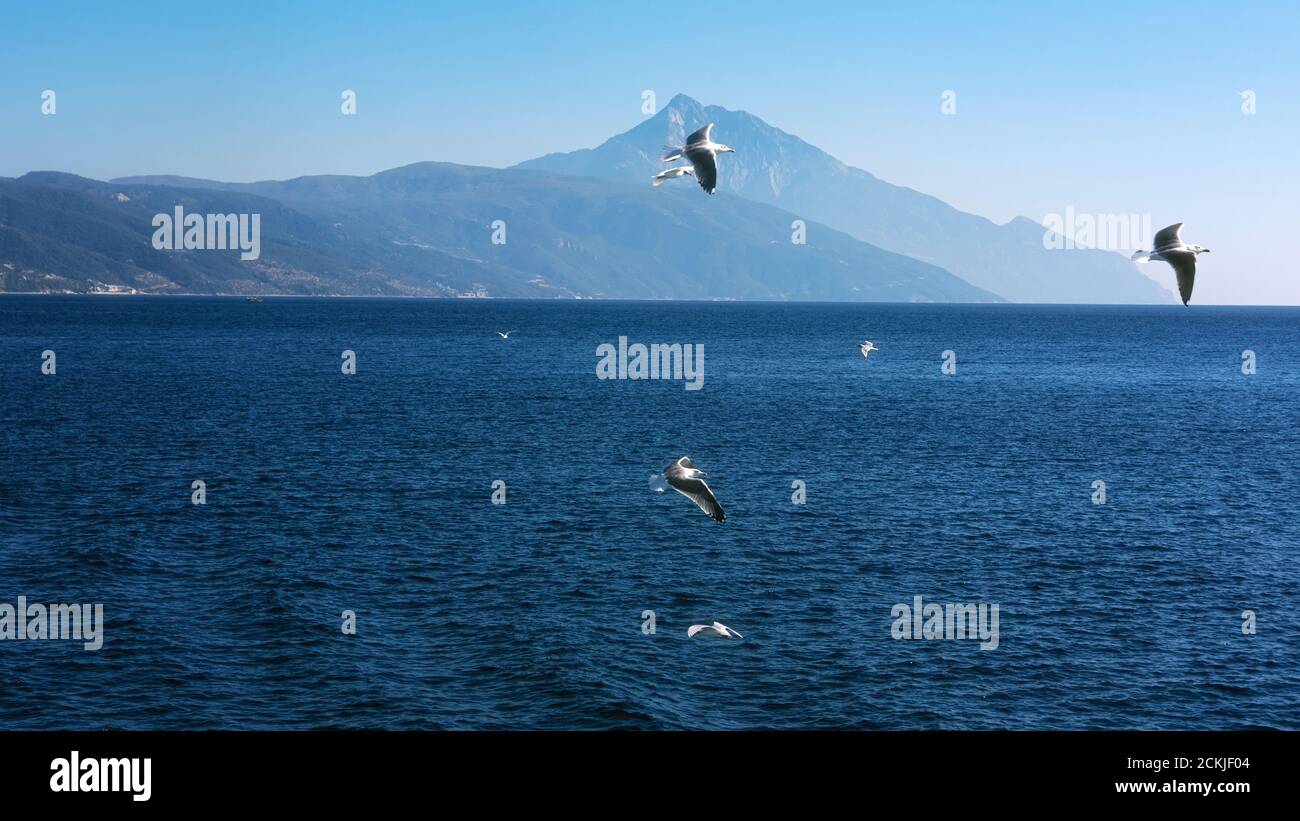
(779, 168)
(424, 229)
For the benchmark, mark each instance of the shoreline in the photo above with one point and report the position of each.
(544, 300)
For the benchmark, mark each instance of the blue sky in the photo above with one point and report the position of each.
(1106, 107)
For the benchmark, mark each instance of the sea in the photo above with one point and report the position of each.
(409, 522)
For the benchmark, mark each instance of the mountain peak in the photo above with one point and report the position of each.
(776, 168)
(682, 113)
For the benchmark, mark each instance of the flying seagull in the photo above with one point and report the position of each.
(683, 476)
(867, 347)
(505, 335)
(1181, 256)
(717, 629)
(663, 176)
(702, 153)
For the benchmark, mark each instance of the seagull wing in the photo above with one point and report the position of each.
(695, 628)
(1168, 238)
(701, 136)
(725, 630)
(698, 492)
(1184, 265)
(706, 168)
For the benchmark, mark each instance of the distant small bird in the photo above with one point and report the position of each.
(702, 153)
(505, 335)
(663, 176)
(683, 476)
(1170, 248)
(717, 629)
(867, 347)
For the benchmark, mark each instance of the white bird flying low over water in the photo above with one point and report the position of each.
(663, 176)
(867, 347)
(683, 476)
(505, 335)
(717, 629)
(702, 153)
(1170, 248)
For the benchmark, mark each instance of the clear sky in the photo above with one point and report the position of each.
(1104, 107)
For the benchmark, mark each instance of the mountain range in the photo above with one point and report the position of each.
(584, 224)
(779, 169)
(427, 230)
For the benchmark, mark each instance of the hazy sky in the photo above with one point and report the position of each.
(1102, 107)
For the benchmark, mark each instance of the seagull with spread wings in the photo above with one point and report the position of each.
(717, 630)
(1170, 248)
(702, 153)
(663, 176)
(684, 478)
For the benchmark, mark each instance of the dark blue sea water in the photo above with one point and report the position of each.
(372, 492)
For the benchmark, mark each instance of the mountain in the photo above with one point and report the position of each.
(427, 229)
(773, 167)
(64, 233)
